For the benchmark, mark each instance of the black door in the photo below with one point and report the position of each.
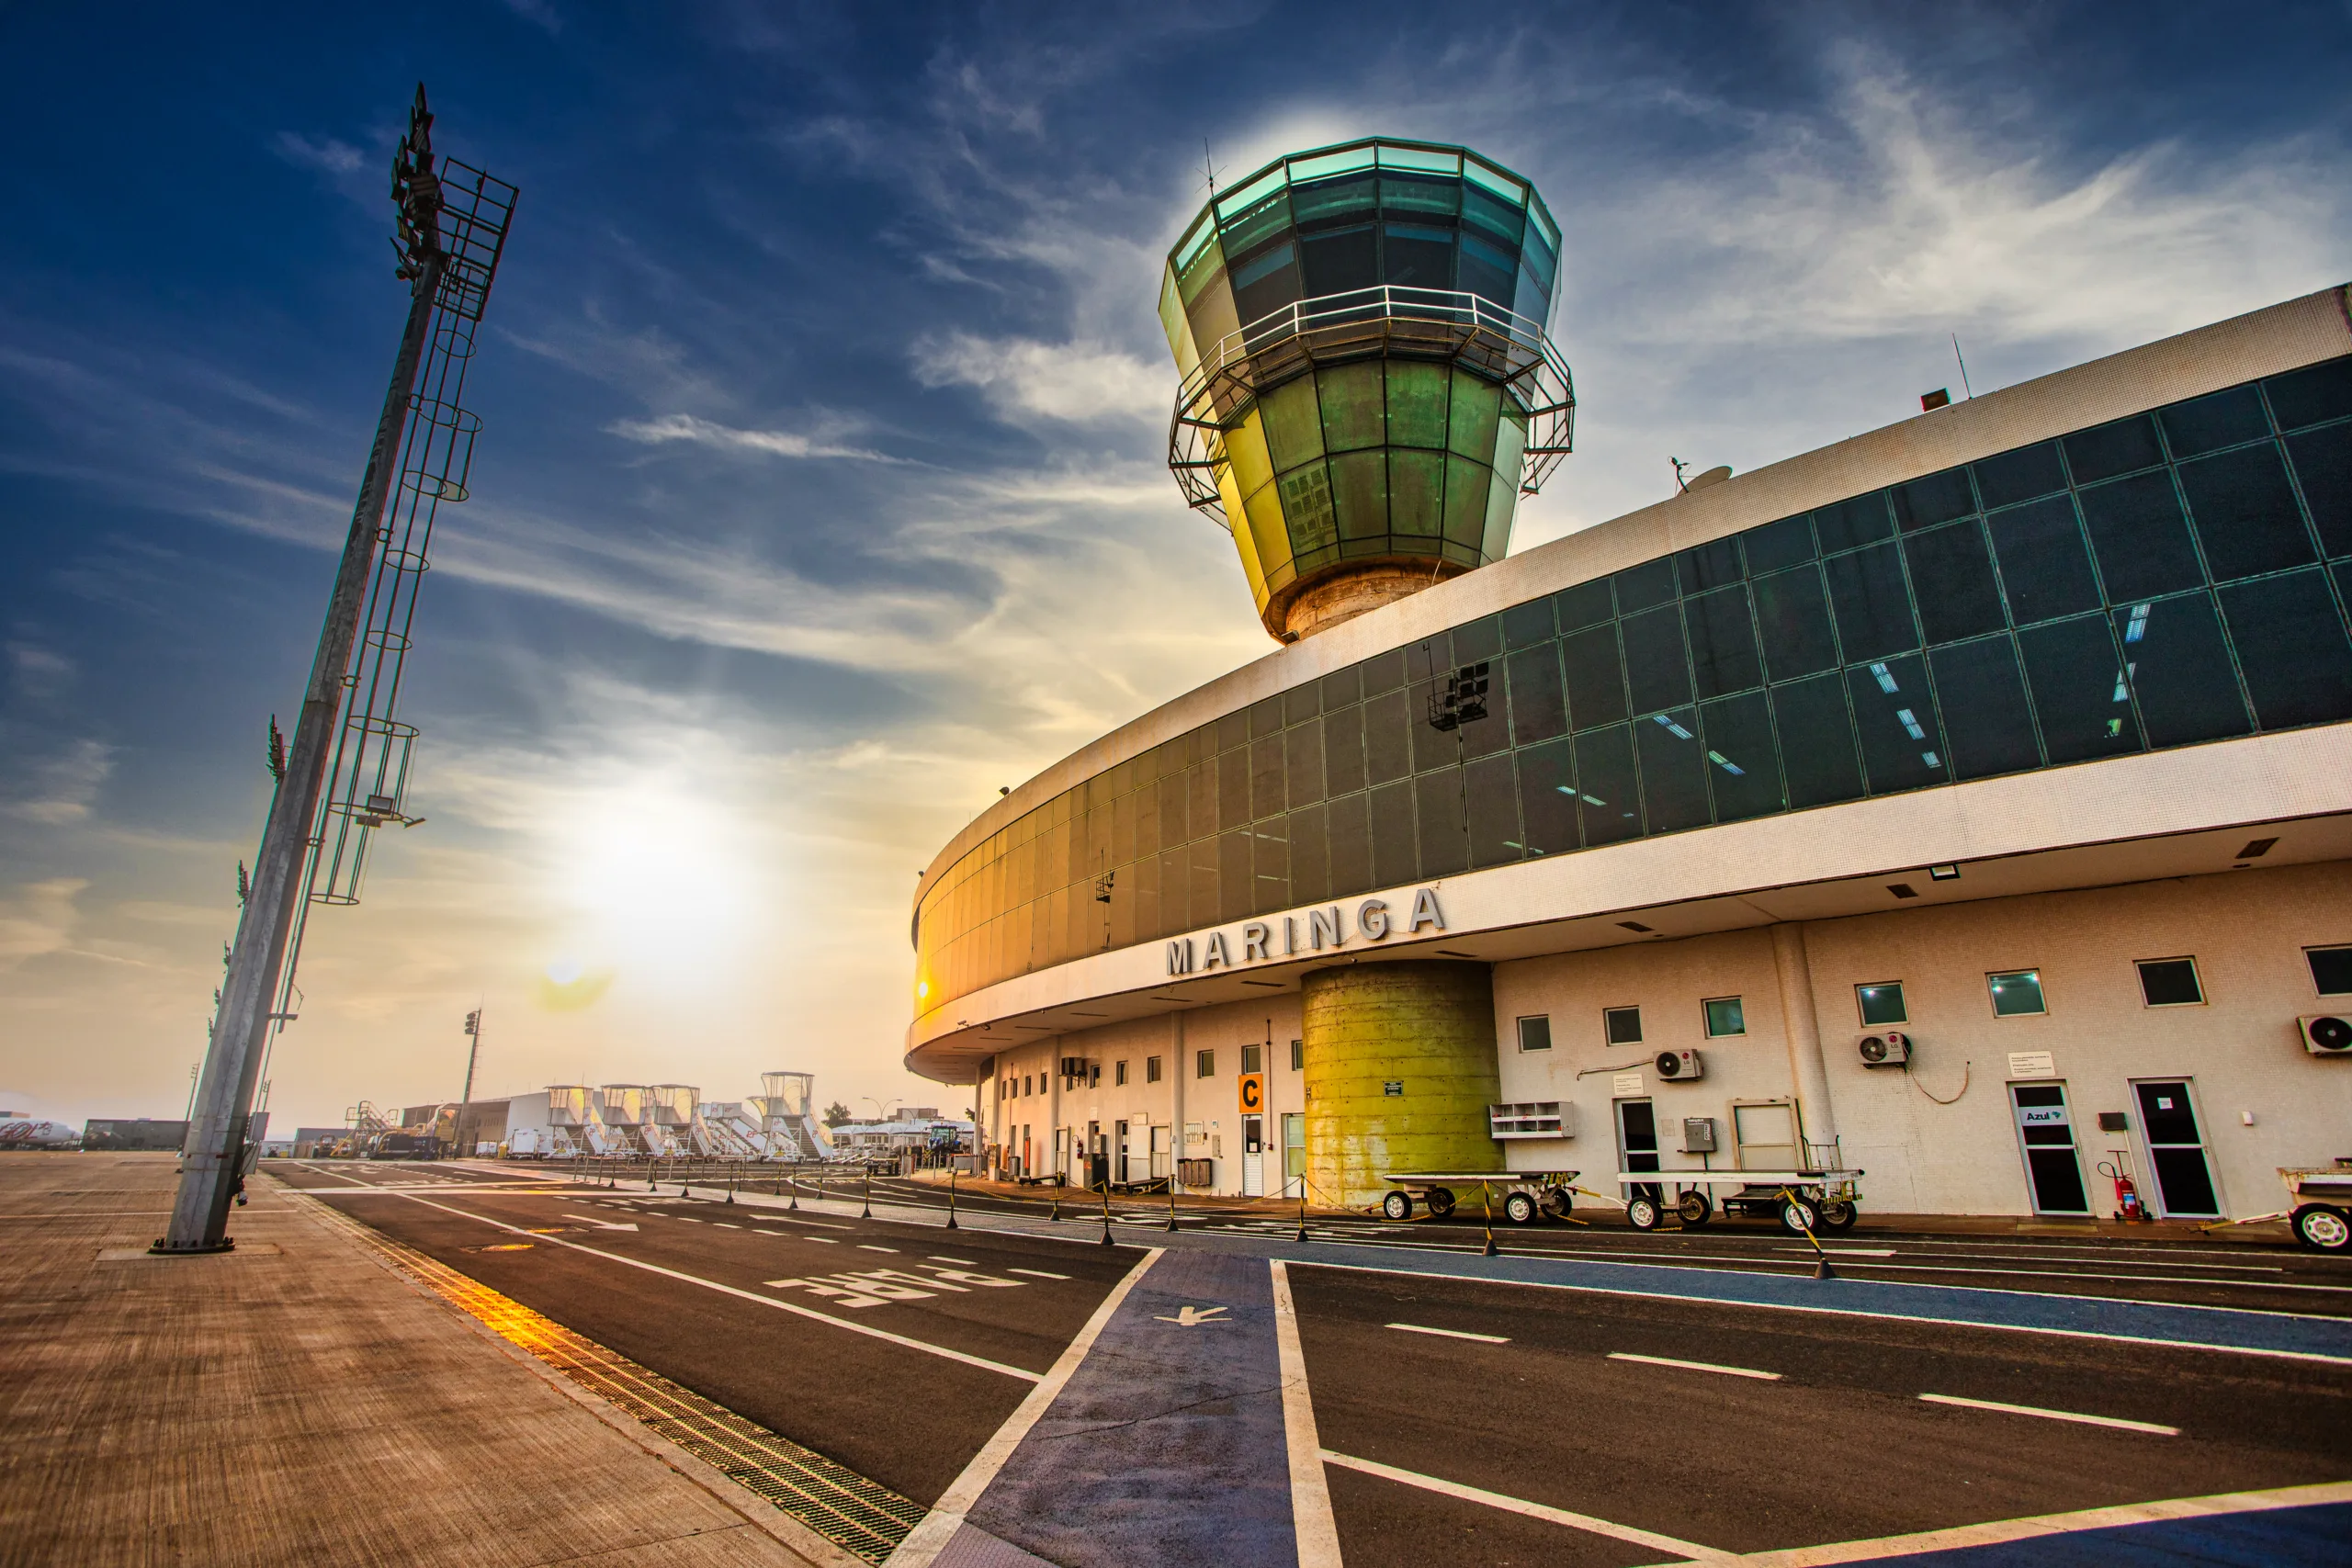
(1637, 1137)
(2047, 1134)
(2177, 1148)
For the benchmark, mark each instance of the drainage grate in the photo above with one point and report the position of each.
(831, 1499)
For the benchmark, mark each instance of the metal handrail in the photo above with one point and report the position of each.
(1464, 328)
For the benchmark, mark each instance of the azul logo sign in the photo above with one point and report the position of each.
(1313, 931)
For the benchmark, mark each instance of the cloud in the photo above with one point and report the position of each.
(328, 155)
(540, 14)
(38, 920)
(58, 790)
(1074, 383)
(38, 671)
(705, 433)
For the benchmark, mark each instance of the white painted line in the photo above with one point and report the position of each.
(1694, 1366)
(2115, 1421)
(869, 1247)
(1453, 1333)
(820, 1240)
(792, 1307)
(1310, 1493)
(1843, 1251)
(927, 1539)
(722, 1225)
(959, 1262)
(1037, 1273)
(1684, 1550)
(2045, 1525)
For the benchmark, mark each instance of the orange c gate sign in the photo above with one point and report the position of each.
(1253, 1094)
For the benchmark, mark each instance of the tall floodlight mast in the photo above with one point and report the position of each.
(346, 770)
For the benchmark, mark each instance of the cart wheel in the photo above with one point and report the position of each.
(1520, 1208)
(1641, 1213)
(1839, 1217)
(2325, 1228)
(1397, 1205)
(1440, 1201)
(1557, 1202)
(1799, 1216)
(1694, 1208)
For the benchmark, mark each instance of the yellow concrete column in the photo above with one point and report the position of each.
(1428, 1028)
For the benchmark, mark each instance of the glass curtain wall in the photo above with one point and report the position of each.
(2177, 577)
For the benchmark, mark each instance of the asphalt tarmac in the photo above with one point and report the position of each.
(1462, 1420)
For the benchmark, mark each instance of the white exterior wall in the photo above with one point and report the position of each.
(2246, 929)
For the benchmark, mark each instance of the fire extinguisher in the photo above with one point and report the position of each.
(2128, 1206)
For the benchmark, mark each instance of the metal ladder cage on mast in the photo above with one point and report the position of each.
(367, 782)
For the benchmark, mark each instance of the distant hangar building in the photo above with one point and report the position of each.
(1974, 796)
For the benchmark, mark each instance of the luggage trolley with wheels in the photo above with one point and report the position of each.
(1820, 1200)
(2320, 1206)
(1524, 1197)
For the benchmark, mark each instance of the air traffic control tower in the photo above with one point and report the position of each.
(1368, 387)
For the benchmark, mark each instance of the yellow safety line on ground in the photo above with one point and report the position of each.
(861, 1515)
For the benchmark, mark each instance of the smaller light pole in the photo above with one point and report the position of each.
(465, 1096)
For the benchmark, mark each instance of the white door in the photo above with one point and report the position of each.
(1765, 1137)
(1161, 1168)
(1253, 1156)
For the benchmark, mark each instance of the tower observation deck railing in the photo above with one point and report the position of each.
(1466, 330)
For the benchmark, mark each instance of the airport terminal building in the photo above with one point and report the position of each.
(1973, 796)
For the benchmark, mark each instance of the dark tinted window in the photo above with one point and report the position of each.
(1266, 717)
(2112, 449)
(1742, 769)
(1776, 545)
(1939, 498)
(2170, 982)
(1710, 565)
(1303, 763)
(2308, 396)
(1267, 797)
(1605, 793)
(1723, 642)
(2080, 691)
(2331, 970)
(1585, 604)
(1494, 811)
(1547, 798)
(1873, 611)
(2323, 468)
(1384, 672)
(2140, 539)
(1981, 698)
(1310, 864)
(1270, 852)
(1639, 587)
(1656, 670)
(1393, 860)
(1527, 624)
(1437, 803)
(1387, 739)
(2022, 475)
(1793, 617)
(1851, 523)
(2044, 567)
(1538, 708)
(2291, 645)
(1952, 574)
(1343, 751)
(1896, 723)
(1477, 640)
(1342, 687)
(1674, 771)
(2225, 419)
(1335, 264)
(1237, 882)
(1816, 742)
(1595, 684)
(2245, 514)
(1302, 702)
(1347, 822)
(2180, 672)
(1233, 789)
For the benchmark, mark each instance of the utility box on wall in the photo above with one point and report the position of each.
(1698, 1134)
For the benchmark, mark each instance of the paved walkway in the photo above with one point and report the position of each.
(294, 1403)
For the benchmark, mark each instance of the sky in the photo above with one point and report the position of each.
(821, 490)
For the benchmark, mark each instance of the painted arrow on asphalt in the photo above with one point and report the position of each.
(1193, 1317)
(600, 1225)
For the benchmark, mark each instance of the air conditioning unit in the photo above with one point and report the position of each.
(1681, 1065)
(1888, 1050)
(2327, 1034)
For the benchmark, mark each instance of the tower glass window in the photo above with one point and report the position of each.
(1882, 1003)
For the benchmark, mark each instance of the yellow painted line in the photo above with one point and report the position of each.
(2115, 1421)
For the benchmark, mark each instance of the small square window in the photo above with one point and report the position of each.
(1725, 1017)
(2170, 982)
(1298, 1055)
(1119, 1075)
(1204, 1064)
(1535, 1033)
(1024, 1085)
(2331, 970)
(1151, 1069)
(1882, 1003)
(1252, 1059)
(1623, 1025)
(2016, 993)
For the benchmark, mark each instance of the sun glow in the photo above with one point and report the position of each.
(659, 883)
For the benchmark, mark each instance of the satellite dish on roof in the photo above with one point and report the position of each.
(1713, 476)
